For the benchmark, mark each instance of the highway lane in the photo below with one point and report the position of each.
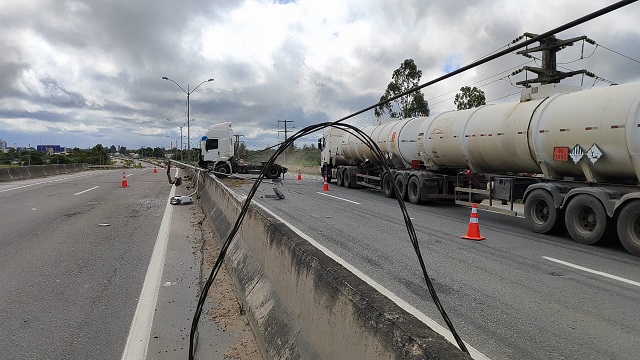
(74, 251)
(508, 295)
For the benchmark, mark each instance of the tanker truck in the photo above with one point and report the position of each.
(218, 154)
(571, 156)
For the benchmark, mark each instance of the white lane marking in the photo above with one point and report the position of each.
(601, 273)
(84, 191)
(393, 297)
(140, 330)
(339, 198)
(45, 182)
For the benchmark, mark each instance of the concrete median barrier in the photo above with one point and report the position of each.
(14, 172)
(37, 171)
(302, 304)
(4, 174)
(24, 172)
(51, 170)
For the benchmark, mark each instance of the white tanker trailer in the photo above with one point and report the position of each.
(572, 156)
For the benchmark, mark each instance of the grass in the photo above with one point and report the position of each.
(309, 170)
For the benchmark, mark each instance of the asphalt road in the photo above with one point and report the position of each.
(74, 251)
(515, 295)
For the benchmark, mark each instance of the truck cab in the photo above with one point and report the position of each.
(217, 148)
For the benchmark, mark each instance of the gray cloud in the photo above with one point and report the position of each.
(90, 71)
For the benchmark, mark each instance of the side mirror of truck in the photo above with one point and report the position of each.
(320, 144)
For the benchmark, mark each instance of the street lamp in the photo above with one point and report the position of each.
(188, 92)
(180, 136)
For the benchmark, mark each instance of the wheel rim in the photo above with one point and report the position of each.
(540, 212)
(587, 220)
(387, 186)
(412, 190)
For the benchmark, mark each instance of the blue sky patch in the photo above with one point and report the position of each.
(451, 63)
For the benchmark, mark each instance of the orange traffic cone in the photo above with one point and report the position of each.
(299, 175)
(124, 181)
(325, 187)
(154, 170)
(473, 232)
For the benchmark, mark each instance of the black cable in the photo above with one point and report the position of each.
(615, 52)
(377, 153)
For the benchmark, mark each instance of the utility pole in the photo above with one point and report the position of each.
(286, 132)
(548, 73)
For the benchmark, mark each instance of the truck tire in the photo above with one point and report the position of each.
(221, 171)
(629, 227)
(346, 178)
(541, 213)
(340, 177)
(387, 186)
(273, 172)
(401, 185)
(414, 190)
(586, 219)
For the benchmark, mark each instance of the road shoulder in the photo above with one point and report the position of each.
(223, 330)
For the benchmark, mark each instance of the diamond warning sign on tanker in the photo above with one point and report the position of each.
(594, 153)
(576, 153)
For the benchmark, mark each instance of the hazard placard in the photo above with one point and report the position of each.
(560, 153)
(594, 153)
(576, 153)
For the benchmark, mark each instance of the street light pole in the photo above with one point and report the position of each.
(180, 136)
(188, 93)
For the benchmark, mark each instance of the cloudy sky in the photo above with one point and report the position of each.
(79, 73)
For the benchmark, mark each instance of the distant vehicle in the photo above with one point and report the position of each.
(218, 154)
(572, 156)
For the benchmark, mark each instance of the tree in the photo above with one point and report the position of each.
(469, 97)
(37, 158)
(158, 152)
(406, 77)
(98, 155)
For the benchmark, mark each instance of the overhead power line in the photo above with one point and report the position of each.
(615, 52)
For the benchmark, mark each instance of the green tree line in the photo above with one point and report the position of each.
(98, 155)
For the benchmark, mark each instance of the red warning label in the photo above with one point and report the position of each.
(560, 153)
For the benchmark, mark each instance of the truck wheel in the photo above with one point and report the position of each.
(586, 219)
(346, 178)
(273, 173)
(629, 227)
(221, 171)
(541, 213)
(387, 186)
(340, 177)
(402, 187)
(413, 190)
